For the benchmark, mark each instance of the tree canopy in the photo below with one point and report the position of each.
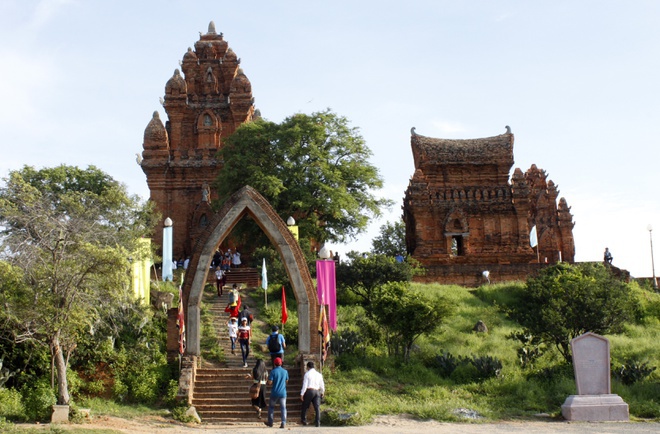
(312, 167)
(392, 239)
(565, 301)
(406, 314)
(66, 237)
(362, 275)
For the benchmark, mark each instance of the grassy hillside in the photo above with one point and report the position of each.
(368, 382)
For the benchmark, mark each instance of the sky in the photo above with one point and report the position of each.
(577, 82)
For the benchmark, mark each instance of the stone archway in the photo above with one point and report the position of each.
(248, 201)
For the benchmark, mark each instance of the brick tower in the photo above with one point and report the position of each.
(205, 105)
(463, 214)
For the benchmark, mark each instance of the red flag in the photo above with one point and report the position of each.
(285, 315)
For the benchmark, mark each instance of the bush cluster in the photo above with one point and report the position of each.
(464, 369)
(632, 371)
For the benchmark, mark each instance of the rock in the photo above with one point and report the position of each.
(192, 412)
(161, 299)
(480, 327)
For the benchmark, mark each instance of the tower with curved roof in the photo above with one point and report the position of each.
(464, 215)
(205, 102)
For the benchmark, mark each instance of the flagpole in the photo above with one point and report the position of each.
(321, 341)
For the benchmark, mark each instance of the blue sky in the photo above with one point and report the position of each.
(577, 81)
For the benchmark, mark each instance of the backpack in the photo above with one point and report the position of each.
(246, 314)
(274, 344)
(233, 297)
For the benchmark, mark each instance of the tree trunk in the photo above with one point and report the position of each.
(60, 366)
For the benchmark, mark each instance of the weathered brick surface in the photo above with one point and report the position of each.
(464, 215)
(204, 105)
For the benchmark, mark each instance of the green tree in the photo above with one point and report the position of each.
(362, 275)
(406, 314)
(565, 301)
(391, 240)
(70, 231)
(311, 167)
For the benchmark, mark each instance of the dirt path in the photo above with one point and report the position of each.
(382, 425)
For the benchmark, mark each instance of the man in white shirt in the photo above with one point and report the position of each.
(313, 389)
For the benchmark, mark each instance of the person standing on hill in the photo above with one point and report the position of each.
(313, 389)
(607, 256)
(276, 344)
(277, 379)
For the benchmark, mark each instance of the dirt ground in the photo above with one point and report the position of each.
(381, 425)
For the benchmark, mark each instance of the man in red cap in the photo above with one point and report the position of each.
(277, 380)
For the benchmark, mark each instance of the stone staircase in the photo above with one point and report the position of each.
(220, 393)
(249, 277)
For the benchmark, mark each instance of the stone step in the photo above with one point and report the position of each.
(221, 415)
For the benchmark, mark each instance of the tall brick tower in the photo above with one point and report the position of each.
(205, 105)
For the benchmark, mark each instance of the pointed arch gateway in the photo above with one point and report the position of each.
(248, 201)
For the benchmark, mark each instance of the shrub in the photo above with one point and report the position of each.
(486, 367)
(179, 413)
(464, 373)
(11, 406)
(565, 301)
(466, 369)
(531, 349)
(632, 371)
(552, 374)
(38, 400)
(445, 364)
(345, 342)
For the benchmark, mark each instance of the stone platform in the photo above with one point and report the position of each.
(595, 408)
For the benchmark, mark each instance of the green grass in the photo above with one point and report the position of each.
(370, 383)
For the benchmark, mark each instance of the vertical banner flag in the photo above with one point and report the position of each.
(180, 323)
(264, 276)
(327, 290)
(325, 333)
(533, 239)
(285, 314)
(167, 253)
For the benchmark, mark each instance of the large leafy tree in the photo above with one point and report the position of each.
(312, 167)
(565, 301)
(361, 276)
(392, 239)
(68, 234)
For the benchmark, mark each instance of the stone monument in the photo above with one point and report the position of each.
(594, 401)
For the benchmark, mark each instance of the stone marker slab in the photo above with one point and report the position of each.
(591, 364)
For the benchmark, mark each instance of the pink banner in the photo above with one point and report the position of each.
(327, 289)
